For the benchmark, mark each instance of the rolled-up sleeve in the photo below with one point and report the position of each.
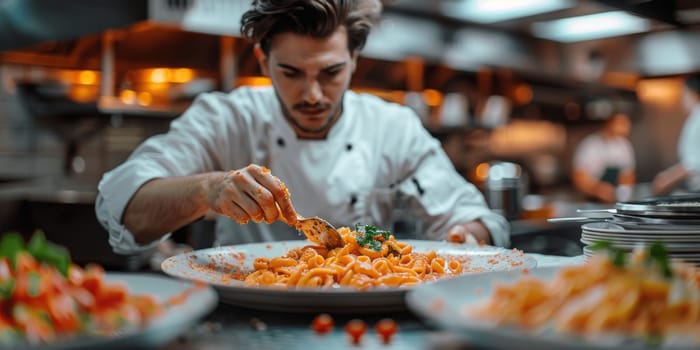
(188, 148)
(114, 192)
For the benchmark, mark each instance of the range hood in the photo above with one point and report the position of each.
(111, 37)
(27, 22)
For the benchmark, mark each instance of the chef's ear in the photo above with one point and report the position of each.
(262, 59)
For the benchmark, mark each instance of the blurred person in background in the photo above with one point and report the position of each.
(604, 167)
(343, 156)
(687, 171)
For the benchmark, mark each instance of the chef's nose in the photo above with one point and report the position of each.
(313, 93)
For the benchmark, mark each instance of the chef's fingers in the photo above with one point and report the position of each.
(459, 234)
(233, 210)
(282, 201)
(245, 191)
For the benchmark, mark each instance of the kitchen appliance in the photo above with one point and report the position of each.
(505, 187)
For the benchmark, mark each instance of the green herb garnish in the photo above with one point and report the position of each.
(42, 250)
(369, 236)
(617, 255)
(658, 255)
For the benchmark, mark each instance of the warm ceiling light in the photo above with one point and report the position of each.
(87, 77)
(588, 27)
(159, 75)
(432, 97)
(182, 75)
(128, 96)
(490, 11)
(254, 81)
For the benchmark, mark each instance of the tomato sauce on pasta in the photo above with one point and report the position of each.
(392, 264)
(601, 297)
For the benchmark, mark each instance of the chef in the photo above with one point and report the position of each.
(604, 166)
(685, 173)
(343, 156)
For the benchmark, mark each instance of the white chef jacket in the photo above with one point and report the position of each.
(595, 153)
(375, 151)
(689, 148)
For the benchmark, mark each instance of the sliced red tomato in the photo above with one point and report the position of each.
(33, 323)
(75, 275)
(93, 279)
(64, 313)
(111, 295)
(24, 263)
(82, 296)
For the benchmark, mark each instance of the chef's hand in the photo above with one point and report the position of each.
(251, 193)
(665, 181)
(473, 233)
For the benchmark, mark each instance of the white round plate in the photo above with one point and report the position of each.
(216, 266)
(446, 304)
(670, 247)
(176, 319)
(688, 256)
(659, 238)
(607, 227)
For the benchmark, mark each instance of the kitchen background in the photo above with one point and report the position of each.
(84, 82)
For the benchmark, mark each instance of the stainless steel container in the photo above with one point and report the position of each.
(506, 185)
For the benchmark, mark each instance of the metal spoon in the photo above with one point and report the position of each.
(574, 219)
(319, 231)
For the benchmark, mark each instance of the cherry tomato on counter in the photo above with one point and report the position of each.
(322, 324)
(386, 328)
(355, 328)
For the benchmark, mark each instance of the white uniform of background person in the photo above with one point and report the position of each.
(604, 158)
(689, 149)
(373, 152)
(596, 154)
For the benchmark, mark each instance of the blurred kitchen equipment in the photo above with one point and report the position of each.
(454, 111)
(506, 185)
(496, 112)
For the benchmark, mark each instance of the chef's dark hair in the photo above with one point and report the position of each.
(693, 83)
(316, 18)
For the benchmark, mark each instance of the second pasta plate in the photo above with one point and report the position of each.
(220, 266)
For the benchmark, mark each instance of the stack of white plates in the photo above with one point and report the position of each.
(681, 242)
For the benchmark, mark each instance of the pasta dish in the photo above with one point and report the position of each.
(45, 298)
(647, 297)
(369, 258)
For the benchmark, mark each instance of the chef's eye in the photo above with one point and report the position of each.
(289, 74)
(332, 72)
